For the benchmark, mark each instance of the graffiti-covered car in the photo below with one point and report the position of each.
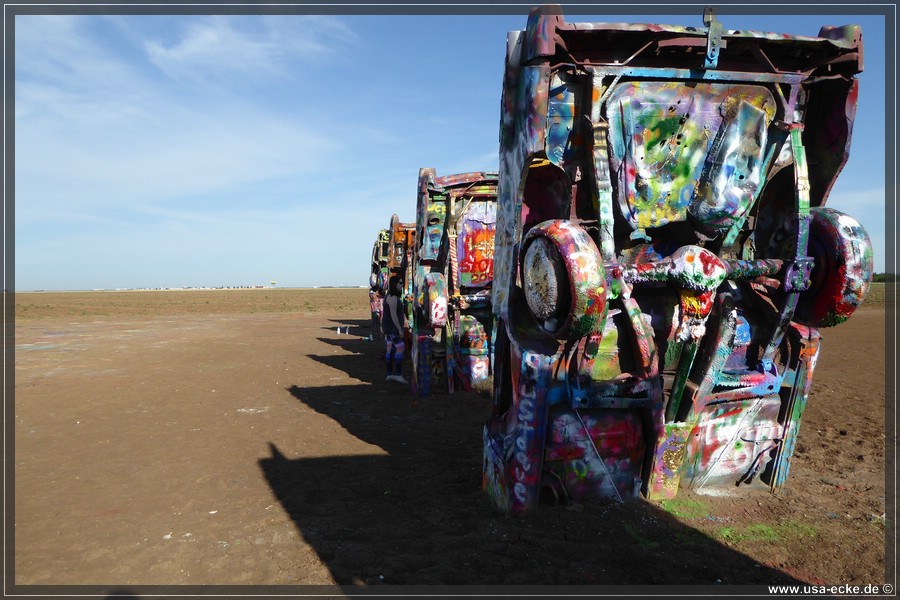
(378, 276)
(664, 260)
(400, 262)
(381, 251)
(453, 268)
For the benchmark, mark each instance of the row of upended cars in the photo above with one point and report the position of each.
(641, 287)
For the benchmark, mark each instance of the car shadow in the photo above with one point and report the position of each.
(352, 327)
(414, 513)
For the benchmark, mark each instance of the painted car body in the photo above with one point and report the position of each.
(664, 260)
(381, 250)
(453, 264)
(399, 262)
(378, 275)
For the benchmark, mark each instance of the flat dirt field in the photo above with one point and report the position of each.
(234, 437)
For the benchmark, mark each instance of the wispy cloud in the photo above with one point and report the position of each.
(160, 157)
(221, 46)
(61, 74)
(114, 134)
(213, 149)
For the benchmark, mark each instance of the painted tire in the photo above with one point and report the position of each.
(842, 272)
(564, 279)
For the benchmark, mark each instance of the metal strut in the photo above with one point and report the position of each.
(713, 38)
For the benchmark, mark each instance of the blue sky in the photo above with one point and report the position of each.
(213, 150)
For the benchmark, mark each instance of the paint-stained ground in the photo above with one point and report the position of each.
(235, 437)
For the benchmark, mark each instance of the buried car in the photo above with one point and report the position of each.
(399, 260)
(453, 262)
(664, 260)
(381, 250)
(378, 276)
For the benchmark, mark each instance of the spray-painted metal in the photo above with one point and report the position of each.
(453, 271)
(381, 251)
(663, 257)
(400, 262)
(378, 275)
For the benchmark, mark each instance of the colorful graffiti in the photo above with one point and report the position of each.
(663, 257)
(399, 258)
(378, 276)
(475, 247)
(452, 266)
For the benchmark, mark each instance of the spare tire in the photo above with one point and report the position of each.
(564, 279)
(842, 271)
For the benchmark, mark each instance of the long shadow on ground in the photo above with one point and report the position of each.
(417, 515)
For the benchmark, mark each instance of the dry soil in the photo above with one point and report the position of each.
(234, 437)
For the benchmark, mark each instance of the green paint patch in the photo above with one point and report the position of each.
(673, 353)
(686, 509)
(762, 532)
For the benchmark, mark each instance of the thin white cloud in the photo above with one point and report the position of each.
(212, 150)
(216, 46)
(114, 135)
(53, 47)
(61, 73)
(169, 158)
(486, 161)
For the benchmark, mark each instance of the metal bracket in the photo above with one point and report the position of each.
(713, 38)
(797, 275)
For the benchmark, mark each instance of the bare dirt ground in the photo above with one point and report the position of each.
(234, 437)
